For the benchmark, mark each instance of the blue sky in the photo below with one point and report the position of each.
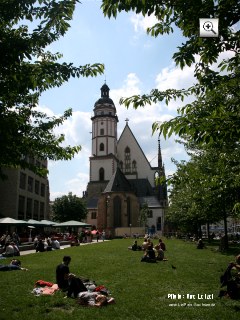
(135, 63)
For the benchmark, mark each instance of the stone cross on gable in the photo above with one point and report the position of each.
(127, 120)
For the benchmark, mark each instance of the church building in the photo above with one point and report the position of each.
(122, 181)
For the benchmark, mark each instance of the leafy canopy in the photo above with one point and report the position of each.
(216, 92)
(69, 207)
(28, 68)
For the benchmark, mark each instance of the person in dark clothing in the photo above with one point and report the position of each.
(14, 265)
(40, 246)
(67, 281)
(149, 255)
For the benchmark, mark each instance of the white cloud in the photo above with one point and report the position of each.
(78, 185)
(141, 23)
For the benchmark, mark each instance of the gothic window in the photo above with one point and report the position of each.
(134, 166)
(156, 178)
(127, 160)
(101, 147)
(101, 174)
(117, 212)
(121, 165)
(101, 132)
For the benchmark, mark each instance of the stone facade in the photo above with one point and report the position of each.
(24, 195)
(121, 177)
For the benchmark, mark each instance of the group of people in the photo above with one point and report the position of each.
(47, 244)
(76, 288)
(151, 253)
(9, 245)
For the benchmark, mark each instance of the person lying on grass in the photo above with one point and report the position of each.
(94, 299)
(14, 265)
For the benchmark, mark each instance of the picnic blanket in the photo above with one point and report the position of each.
(44, 288)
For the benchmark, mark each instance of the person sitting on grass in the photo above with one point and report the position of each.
(145, 244)
(231, 280)
(9, 250)
(162, 245)
(149, 255)
(94, 299)
(68, 281)
(200, 244)
(40, 246)
(14, 265)
(135, 247)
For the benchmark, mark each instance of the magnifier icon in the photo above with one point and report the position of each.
(208, 26)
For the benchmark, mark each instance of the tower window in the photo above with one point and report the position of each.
(101, 174)
(101, 132)
(121, 165)
(134, 166)
(101, 147)
(127, 160)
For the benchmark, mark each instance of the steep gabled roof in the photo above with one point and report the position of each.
(141, 187)
(127, 128)
(118, 183)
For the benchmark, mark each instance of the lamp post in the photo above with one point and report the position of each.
(130, 225)
(107, 205)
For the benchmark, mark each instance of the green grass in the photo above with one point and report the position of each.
(140, 289)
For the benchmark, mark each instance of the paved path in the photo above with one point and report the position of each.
(23, 253)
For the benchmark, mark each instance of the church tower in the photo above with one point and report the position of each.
(103, 161)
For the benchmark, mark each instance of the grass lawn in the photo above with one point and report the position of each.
(141, 290)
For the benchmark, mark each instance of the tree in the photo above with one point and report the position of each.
(69, 207)
(27, 68)
(205, 190)
(214, 115)
(143, 214)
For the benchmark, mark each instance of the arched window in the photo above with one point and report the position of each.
(134, 166)
(121, 165)
(156, 178)
(101, 174)
(101, 147)
(127, 160)
(117, 206)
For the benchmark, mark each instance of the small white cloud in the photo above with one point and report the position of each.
(141, 23)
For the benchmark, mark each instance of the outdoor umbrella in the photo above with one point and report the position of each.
(47, 222)
(12, 221)
(72, 223)
(34, 222)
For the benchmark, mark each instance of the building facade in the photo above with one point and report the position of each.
(25, 195)
(121, 178)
